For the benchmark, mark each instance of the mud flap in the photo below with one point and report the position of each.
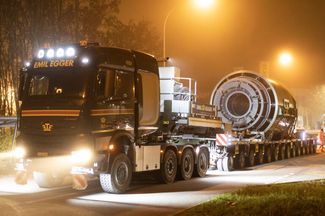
(21, 177)
(79, 181)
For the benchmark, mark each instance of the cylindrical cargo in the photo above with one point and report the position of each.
(255, 106)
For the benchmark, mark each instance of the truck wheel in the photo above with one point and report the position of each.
(228, 163)
(187, 164)
(241, 160)
(202, 164)
(169, 167)
(267, 155)
(251, 158)
(118, 181)
(47, 179)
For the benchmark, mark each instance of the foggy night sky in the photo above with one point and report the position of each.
(209, 44)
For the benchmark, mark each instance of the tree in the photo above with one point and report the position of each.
(26, 25)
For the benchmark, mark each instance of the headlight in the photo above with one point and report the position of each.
(81, 156)
(19, 152)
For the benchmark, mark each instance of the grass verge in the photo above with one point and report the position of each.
(303, 198)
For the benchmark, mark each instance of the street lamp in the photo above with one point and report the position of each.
(200, 3)
(285, 59)
(204, 3)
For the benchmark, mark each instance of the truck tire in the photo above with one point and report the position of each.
(267, 155)
(241, 160)
(47, 179)
(187, 164)
(228, 163)
(202, 164)
(118, 181)
(169, 167)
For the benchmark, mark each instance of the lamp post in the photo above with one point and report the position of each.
(164, 33)
(200, 3)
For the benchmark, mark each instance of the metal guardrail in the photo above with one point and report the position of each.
(10, 122)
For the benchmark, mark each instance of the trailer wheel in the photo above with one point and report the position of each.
(267, 155)
(118, 181)
(187, 164)
(260, 156)
(251, 158)
(307, 149)
(228, 163)
(202, 164)
(311, 150)
(288, 151)
(303, 150)
(276, 152)
(47, 179)
(298, 150)
(241, 160)
(282, 152)
(314, 148)
(293, 151)
(169, 167)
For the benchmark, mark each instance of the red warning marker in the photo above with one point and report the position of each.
(79, 182)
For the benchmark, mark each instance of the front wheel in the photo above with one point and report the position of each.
(118, 181)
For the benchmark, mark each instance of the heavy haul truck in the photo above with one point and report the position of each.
(109, 112)
(263, 115)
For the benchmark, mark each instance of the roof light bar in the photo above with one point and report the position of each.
(60, 53)
(50, 53)
(40, 53)
(56, 53)
(70, 52)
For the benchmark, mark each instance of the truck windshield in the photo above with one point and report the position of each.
(56, 84)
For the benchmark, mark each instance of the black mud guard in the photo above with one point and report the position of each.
(111, 154)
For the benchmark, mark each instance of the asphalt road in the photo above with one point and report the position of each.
(147, 197)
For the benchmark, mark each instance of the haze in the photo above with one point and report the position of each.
(239, 34)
